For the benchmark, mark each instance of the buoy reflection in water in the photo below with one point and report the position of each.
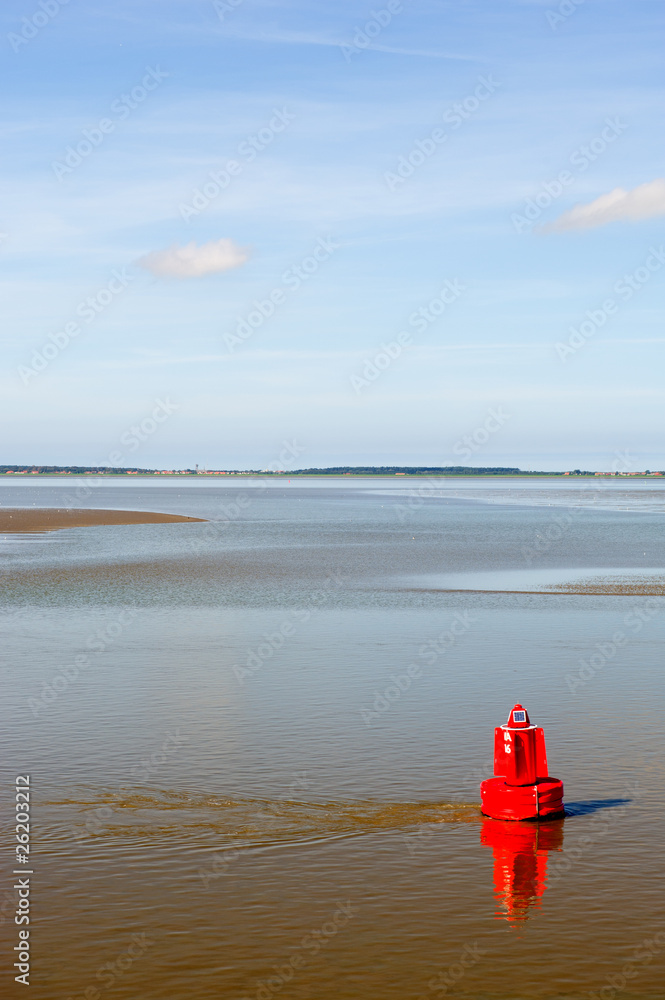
(520, 852)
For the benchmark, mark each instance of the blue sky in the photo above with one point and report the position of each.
(306, 113)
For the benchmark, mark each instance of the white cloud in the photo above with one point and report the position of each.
(644, 202)
(191, 261)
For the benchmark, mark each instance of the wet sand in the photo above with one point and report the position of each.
(30, 519)
(629, 587)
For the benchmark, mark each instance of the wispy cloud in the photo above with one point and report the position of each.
(283, 36)
(644, 202)
(190, 261)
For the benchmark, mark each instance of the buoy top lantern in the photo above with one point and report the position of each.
(518, 718)
(521, 787)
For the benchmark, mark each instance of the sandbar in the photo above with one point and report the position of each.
(31, 519)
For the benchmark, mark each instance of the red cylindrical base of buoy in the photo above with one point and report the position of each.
(544, 800)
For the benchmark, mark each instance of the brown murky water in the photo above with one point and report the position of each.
(239, 789)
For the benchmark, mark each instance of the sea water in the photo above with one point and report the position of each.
(254, 744)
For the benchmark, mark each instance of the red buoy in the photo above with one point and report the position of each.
(521, 787)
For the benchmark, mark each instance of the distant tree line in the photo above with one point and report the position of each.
(349, 470)
(357, 470)
(410, 470)
(336, 470)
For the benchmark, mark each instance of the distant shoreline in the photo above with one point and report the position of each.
(338, 475)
